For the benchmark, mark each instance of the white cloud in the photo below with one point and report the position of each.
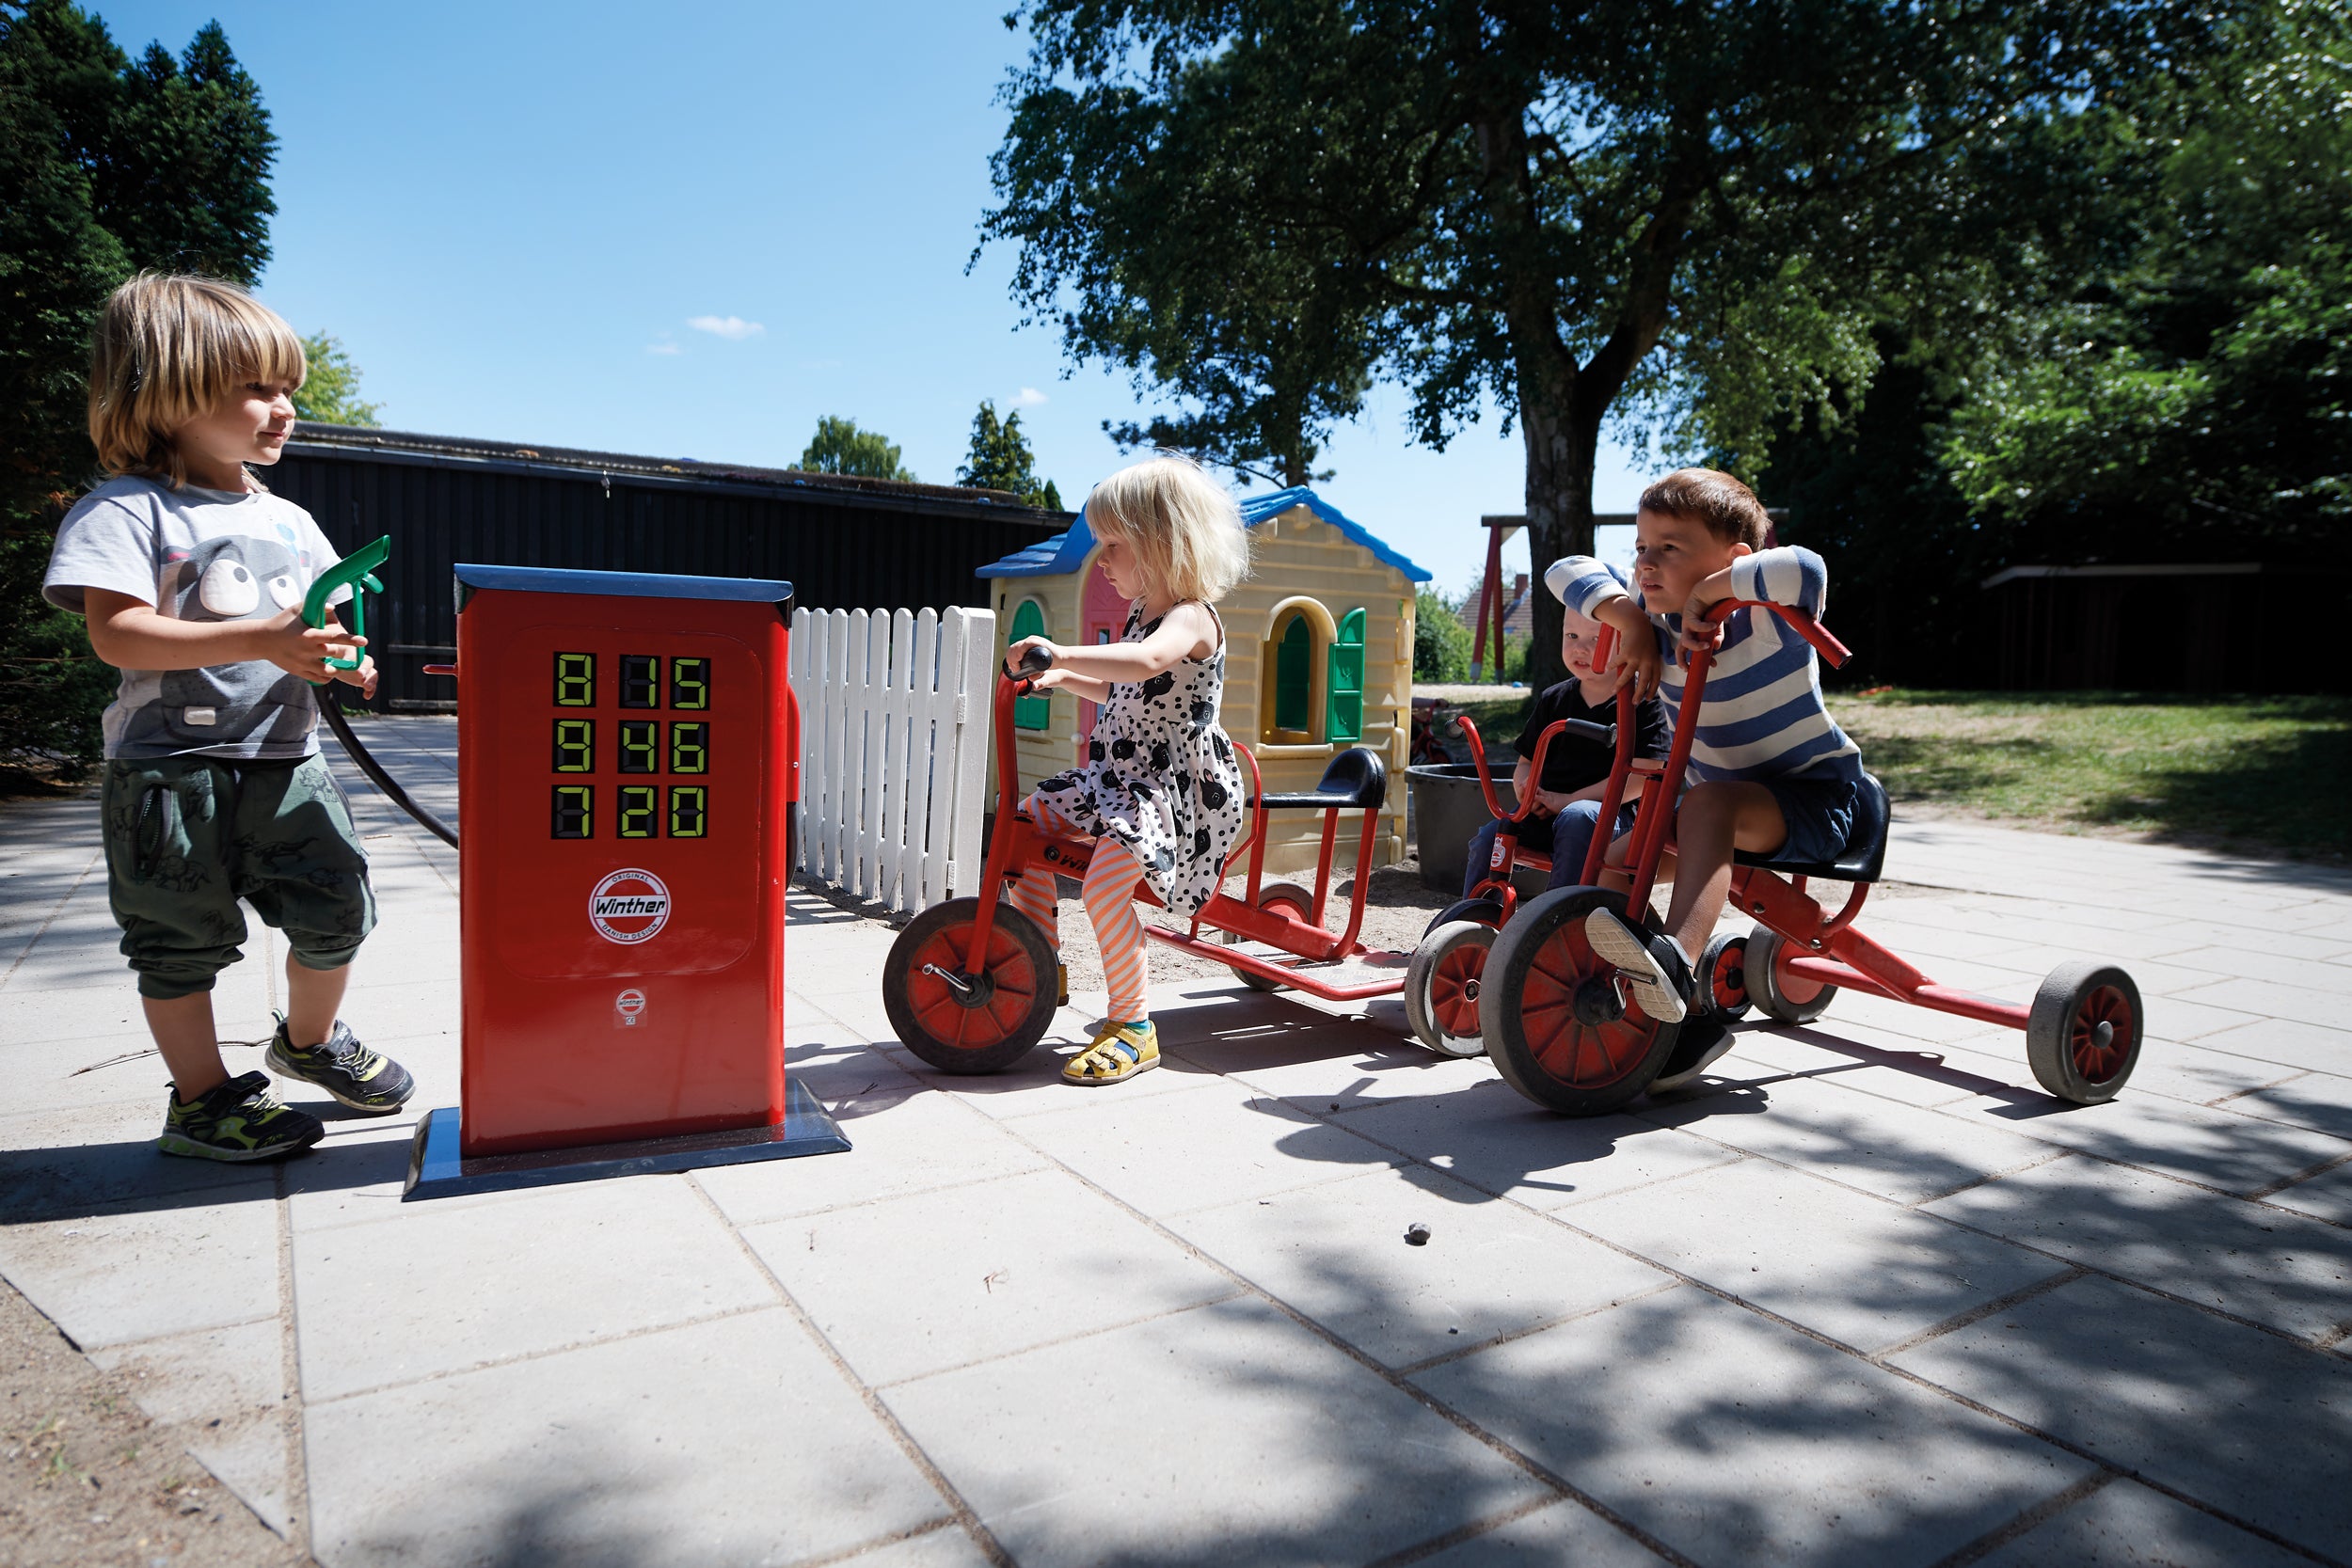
(732, 328)
(1030, 397)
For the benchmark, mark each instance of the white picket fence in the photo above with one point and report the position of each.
(894, 750)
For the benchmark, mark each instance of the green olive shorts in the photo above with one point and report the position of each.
(188, 837)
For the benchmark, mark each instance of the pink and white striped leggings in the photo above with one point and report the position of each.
(1110, 891)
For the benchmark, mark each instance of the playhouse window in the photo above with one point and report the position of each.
(1313, 688)
(1029, 713)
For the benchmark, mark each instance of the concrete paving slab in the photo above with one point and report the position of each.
(2269, 999)
(911, 1141)
(223, 1391)
(2318, 1101)
(1560, 1535)
(1865, 1272)
(2249, 1424)
(1338, 1254)
(2125, 1525)
(1682, 1413)
(2248, 1259)
(727, 1442)
(435, 1288)
(2329, 1195)
(911, 1286)
(2290, 1042)
(1207, 1146)
(2215, 1147)
(1880, 1145)
(1856, 1056)
(126, 1271)
(1033, 1086)
(1254, 1441)
(947, 1547)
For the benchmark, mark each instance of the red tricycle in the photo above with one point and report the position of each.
(970, 983)
(1557, 1018)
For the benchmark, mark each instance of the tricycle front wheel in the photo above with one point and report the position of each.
(981, 1019)
(1558, 1020)
(1442, 985)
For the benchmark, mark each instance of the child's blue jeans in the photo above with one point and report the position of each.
(1571, 837)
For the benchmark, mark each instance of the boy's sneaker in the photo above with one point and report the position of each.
(237, 1120)
(1659, 989)
(356, 1076)
(1703, 1042)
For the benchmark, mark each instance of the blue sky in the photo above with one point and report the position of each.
(691, 231)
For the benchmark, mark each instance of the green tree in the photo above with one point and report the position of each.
(1441, 644)
(330, 386)
(839, 447)
(107, 165)
(1000, 459)
(1686, 213)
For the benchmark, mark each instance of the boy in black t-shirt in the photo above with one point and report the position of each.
(1576, 772)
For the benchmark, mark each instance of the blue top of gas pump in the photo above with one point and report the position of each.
(625, 585)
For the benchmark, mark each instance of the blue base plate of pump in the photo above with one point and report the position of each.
(435, 1169)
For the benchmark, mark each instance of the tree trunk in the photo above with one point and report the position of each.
(1561, 448)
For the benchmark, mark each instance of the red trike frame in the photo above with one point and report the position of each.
(1017, 843)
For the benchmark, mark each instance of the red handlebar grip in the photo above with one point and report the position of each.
(1603, 645)
(440, 669)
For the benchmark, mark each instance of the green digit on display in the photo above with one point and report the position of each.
(689, 817)
(571, 814)
(689, 683)
(638, 745)
(636, 818)
(575, 746)
(641, 680)
(690, 748)
(575, 680)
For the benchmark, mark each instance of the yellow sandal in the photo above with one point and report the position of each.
(1118, 1053)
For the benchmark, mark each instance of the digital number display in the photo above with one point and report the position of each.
(636, 816)
(573, 813)
(640, 811)
(639, 745)
(575, 680)
(641, 680)
(575, 746)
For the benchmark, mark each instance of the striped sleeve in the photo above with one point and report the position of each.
(1789, 575)
(1584, 583)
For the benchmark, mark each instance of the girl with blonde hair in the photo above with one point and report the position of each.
(1160, 791)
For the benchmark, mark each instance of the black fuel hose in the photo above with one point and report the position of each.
(332, 706)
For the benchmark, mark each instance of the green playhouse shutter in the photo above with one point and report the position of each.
(1346, 685)
(1293, 683)
(1029, 713)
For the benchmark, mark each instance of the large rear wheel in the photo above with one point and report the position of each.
(2082, 1038)
(1558, 1020)
(1442, 984)
(981, 1019)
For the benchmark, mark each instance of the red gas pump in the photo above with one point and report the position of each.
(627, 757)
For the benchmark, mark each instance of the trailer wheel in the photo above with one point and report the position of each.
(969, 1022)
(1290, 895)
(1557, 1018)
(1442, 985)
(1484, 910)
(1724, 967)
(1778, 994)
(2083, 1036)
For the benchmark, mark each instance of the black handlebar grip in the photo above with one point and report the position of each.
(1036, 661)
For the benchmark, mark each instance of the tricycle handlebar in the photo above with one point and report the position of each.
(1833, 651)
(1034, 662)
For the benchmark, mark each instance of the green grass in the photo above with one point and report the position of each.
(2264, 771)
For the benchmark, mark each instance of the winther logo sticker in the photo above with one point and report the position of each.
(628, 907)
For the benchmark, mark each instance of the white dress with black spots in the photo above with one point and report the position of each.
(1160, 776)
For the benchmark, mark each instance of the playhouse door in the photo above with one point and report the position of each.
(1101, 616)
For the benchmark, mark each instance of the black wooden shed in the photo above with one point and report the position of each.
(842, 542)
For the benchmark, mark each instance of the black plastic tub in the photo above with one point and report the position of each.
(1448, 807)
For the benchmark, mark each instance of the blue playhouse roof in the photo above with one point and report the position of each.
(1066, 551)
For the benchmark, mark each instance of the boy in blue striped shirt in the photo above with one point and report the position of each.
(1770, 771)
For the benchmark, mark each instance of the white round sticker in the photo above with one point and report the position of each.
(629, 905)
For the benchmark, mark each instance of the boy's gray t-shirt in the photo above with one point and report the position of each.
(198, 555)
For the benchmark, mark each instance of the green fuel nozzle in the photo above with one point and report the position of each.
(356, 571)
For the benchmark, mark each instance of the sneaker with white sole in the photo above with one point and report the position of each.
(1701, 1045)
(1660, 992)
(364, 1079)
